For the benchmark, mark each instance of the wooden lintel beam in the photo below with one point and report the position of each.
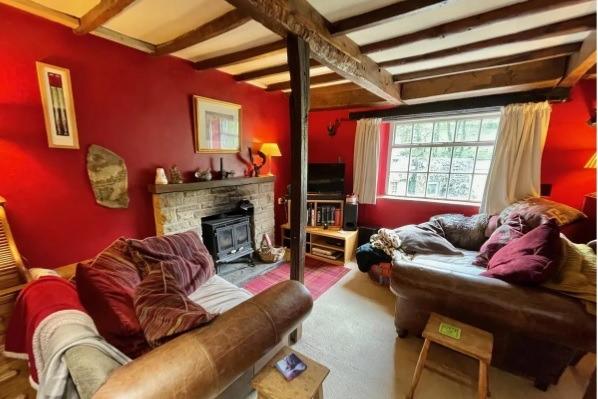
(579, 24)
(216, 27)
(533, 75)
(273, 70)
(344, 95)
(314, 80)
(551, 52)
(465, 24)
(559, 94)
(339, 53)
(379, 16)
(100, 14)
(246, 55)
(580, 62)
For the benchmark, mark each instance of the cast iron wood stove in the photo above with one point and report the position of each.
(228, 237)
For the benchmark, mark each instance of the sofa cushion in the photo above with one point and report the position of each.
(163, 308)
(534, 210)
(106, 288)
(514, 227)
(530, 259)
(190, 262)
(218, 295)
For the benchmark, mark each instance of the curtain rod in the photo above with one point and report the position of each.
(558, 94)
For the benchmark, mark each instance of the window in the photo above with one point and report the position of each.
(445, 158)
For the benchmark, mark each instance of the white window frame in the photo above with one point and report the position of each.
(433, 118)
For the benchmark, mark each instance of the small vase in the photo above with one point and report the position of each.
(161, 176)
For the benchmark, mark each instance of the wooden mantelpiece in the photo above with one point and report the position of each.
(200, 185)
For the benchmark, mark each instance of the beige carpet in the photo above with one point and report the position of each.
(351, 331)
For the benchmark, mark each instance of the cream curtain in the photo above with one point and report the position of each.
(515, 170)
(365, 160)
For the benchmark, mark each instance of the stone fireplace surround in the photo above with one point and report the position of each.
(181, 207)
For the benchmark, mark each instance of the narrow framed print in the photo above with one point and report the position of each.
(217, 126)
(59, 108)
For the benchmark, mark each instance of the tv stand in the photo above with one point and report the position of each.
(338, 242)
(325, 196)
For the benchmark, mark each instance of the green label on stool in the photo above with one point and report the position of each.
(450, 330)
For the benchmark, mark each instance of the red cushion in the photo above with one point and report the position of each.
(106, 288)
(530, 259)
(514, 227)
(163, 309)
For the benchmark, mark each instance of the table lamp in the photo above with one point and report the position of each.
(270, 150)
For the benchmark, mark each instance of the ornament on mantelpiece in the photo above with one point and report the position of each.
(161, 176)
(176, 177)
(203, 175)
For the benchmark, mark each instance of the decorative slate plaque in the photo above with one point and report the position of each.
(108, 177)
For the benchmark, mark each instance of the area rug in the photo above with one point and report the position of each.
(319, 277)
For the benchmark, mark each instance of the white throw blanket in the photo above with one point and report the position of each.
(388, 241)
(52, 338)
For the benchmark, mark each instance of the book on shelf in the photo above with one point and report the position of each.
(333, 257)
(323, 251)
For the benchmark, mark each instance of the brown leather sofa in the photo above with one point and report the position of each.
(537, 333)
(216, 361)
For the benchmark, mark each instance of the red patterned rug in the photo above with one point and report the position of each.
(319, 277)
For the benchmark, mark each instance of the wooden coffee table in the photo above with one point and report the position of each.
(472, 342)
(270, 384)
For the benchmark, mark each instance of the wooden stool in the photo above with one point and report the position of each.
(270, 384)
(473, 342)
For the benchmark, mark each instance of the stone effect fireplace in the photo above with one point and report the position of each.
(181, 207)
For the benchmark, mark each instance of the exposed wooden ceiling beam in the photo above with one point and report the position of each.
(246, 55)
(100, 14)
(379, 16)
(580, 62)
(531, 75)
(273, 70)
(471, 103)
(465, 24)
(529, 56)
(337, 53)
(572, 25)
(314, 80)
(216, 27)
(342, 96)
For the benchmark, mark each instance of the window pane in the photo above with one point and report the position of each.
(482, 163)
(440, 159)
(397, 183)
(477, 187)
(489, 129)
(422, 132)
(416, 185)
(459, 185)
(403, 134)
(463, 159)
(468, 130)
(399, 159)
(419, 159)
(437, 184)
(444, 131)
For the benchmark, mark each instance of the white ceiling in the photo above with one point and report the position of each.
(157, 21)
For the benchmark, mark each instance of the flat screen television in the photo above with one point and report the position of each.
(326, 178)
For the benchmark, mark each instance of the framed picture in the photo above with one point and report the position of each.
(59, 107)
(217, 126)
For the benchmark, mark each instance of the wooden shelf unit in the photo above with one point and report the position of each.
(340, 241)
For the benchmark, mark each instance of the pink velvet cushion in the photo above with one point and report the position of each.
(106, 287)
(163, 308)
(188, 257)
(514, 227)
(530, 259)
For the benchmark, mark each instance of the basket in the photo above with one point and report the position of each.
(268, 253)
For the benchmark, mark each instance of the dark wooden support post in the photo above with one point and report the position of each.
(298, 60)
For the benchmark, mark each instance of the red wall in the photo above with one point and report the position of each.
(569, 144)
(135, 104)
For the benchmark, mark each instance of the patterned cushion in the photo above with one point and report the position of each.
(106, 288)
(514, 227)
(163, 308)
(535, 210)
(190, 260)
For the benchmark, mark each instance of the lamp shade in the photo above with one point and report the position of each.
(271, 149)
(591, 164)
